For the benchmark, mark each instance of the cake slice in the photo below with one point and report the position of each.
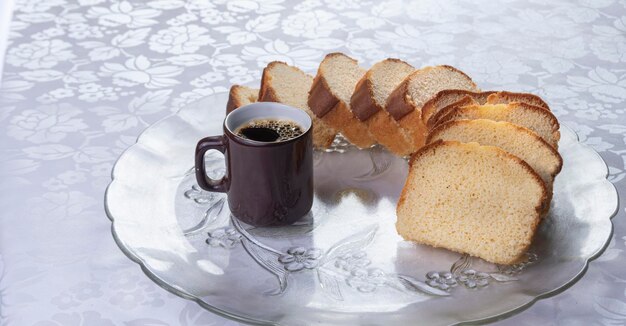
(519, 141)
(329, 98)
(465, 101)
(450, 97)
(479, 200)
(406, 101)
(289, 85)
(504, 97)
(445, 101)
(539, 120)
(240, 96)
(368, 102)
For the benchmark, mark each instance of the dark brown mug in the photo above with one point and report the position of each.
(267, 183)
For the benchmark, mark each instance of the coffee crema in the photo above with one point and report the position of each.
(269, 130)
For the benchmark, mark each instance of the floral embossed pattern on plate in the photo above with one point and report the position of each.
(342, 263)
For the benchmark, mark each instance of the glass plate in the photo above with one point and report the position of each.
(343, 264)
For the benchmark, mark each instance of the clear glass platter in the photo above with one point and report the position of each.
(343, 263)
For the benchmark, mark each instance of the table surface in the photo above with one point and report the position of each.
(83, 78)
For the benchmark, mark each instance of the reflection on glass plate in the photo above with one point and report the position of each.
(343, 263)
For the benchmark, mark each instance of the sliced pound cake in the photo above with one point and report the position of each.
(473, 199)
(406, 101)
(519, 141)
(289, 85)
(449, 97)
(446, 101)
(539, 120)
(465, 101)
(240, 96)
(368, 102)
(329, 98)
(504, 97)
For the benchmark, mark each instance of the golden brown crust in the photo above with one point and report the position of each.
(362, 101)
(553, 121)
(432, 106)
(321, 99)
(234, 98)
(396, 60)
(433, 112)
(504, 97)
(447, 97)
(407, 112)
(399, 103)
(233, 102)
(434, 119)
(428, 147)
(339, 54)
(267, 93)
(442, 127)
(462, 73)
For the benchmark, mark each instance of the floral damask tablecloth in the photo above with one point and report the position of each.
(83, 78)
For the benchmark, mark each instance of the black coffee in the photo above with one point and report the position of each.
(269, 130)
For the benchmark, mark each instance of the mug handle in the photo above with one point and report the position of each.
(206, 183)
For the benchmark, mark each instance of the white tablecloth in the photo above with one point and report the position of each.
(83, 78)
